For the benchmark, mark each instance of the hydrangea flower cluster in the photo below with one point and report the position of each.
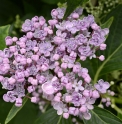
(46, 62)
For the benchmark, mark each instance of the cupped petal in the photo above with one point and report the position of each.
(89, 106)
(48, 88)
(91, 101)
(87, 116)
(106, 85)
(60, 112)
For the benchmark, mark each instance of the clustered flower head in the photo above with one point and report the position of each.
(46, 62)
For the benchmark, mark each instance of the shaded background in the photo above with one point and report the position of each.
(14, 12)
(25, 9)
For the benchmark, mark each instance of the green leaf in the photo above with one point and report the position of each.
(27, 115)
(8, 10)
(119, 115)
(4, 109)
(14, 110)
(51, 117)
(4, 30)
(113, 53)
(71, 5)
(102, 116)
(53, 1)
(108, 23)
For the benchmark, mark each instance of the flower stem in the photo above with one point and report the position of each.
(59, 119)
(116, 108)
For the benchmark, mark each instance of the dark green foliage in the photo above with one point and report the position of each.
(51, 117)
(72, 4)
(14, 110)
(4, 31)
(102, 116)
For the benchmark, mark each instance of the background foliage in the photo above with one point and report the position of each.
(108, 13)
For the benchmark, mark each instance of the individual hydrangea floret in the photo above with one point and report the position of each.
(102, 86)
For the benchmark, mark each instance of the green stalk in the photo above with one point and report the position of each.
(116, 108)
(59, 120)
(101, 67)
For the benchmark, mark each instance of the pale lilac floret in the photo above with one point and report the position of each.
(81, 39)
(64, 80)
(83, 109)
(102, 46)
(8, 40)
(27, 25)
(32, 70)
(11, 80)
(78, 85)
(41, 34)
(70, 26)
(61, 12)
(58, 13)
(89, 103)
(41, 78)
(104, 32)
(7, 53)
(79, 10)
(48, 88)
(60, 52)
(19, 90)
(31, 89)
(77, 67)
(102, 86)
(54, 13)
(19, 76)
(70, 76)
(42, 60)
(74, 29)
(71, 45)
(94, 26)
(68, 60)
(67, 98)
(45, 48)
(95, 94)
(87, 115)
(60, 26)
(101, 58)
(4, 68)
(85, 50)
(18, 102)
(57, 86)
(66, 115)
(6, 84)
(73, 111)
(96, 39)
(60, 38)
(60, 107)
(76, 98)
(82, 24)
(9, 97)
(30, 44)
(33, 99)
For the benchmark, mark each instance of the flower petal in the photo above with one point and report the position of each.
(106, 85)
(48, 88)
(87, 116)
